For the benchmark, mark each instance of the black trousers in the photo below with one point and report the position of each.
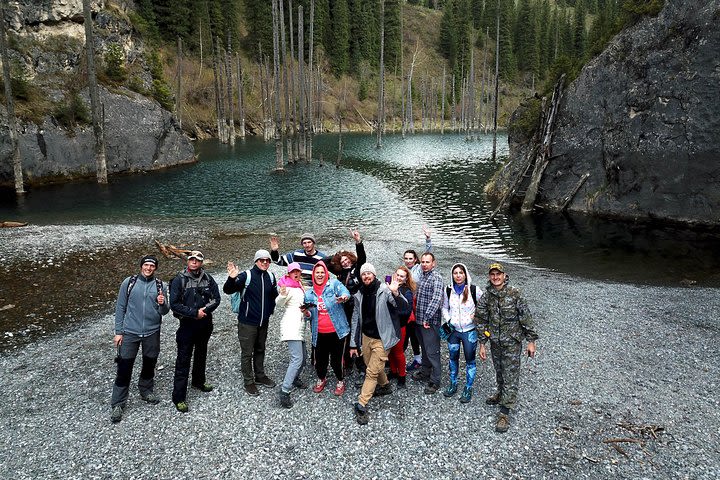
(330, 349)
(192, 337)
(411, 336)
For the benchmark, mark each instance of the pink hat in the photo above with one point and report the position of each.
(294, 266)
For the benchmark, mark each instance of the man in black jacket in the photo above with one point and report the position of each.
(194, 295)
(257, 303)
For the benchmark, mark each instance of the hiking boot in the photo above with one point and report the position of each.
(298, 383)
(401, 382)
(251, 389)
(431, 388)
(205, 387)
(360, 380)
(466, 395)
(320, 385)
(392, 375)
(503, 423)
(450, 390)
(182, 407)
(151, 398)
(339, 388)
(420, 376)
(382, 390)
(361, 414)
(285, 401)
(494, 399)
(265, 382)
(116, 414)
(412, 366)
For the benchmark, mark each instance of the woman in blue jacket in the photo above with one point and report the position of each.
(328, 324)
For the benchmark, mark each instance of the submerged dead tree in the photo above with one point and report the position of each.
(230, 103)
(286, 81)
(10, 105)
(302, 111)
(95, 105)
(178, 84)
(381, 87)
(279, 162)
(311, 88)
(241, 107)
(497, 81)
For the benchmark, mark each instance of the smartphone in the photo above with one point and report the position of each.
(388, 278)
(307, 306)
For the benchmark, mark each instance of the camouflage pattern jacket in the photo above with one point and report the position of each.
(505, 315)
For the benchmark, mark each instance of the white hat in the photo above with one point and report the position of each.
(368, 267)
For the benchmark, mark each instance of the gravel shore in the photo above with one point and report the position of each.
(625, 385)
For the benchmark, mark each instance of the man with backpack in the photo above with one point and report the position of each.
(257, 288)
(194, 295)
(140, 306)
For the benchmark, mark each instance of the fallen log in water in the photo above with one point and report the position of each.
(13, 224)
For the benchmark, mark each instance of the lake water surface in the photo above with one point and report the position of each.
(388, 193)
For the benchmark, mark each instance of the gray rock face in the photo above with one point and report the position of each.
(139, 134)
(643, 119)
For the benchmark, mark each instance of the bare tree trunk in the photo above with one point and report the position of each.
(200, 38)
(95, 105)
(280, 164)
(311, 88)
(482, 83)
(301, 84)
(497, 81)
(10, 104)
(241, 107)
(321, 113)
(471, 94)
(410, 119)
(231, 102)
(293, 86)
(442, 109)
(381, 87)
(286, 95)
(218, 94)
(340, 143)
(178, 85)
(268, 101)
(454, 106)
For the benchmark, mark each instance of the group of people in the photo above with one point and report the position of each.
(357, 321)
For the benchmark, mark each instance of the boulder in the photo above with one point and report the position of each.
(643, 119)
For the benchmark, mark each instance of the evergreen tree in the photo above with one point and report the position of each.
(393, 32)
(508, 61)
(579, 34)
(338, 49)
(258, 18)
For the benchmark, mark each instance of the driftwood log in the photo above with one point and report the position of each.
(12, 224)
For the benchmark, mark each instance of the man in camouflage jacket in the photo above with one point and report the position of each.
(504, 319)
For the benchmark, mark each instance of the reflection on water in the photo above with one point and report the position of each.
(388, 192)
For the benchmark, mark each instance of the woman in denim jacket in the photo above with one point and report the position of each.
(328, 324)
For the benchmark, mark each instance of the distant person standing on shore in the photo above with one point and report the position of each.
(258, 290)
(194, 295)
(141, 304)
(428, 314)
(307, 256)
(503, 318)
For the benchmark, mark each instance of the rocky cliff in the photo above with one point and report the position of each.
(47, 48)
(643, 120)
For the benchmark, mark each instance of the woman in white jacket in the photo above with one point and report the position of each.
(292, 329)
(458, 312)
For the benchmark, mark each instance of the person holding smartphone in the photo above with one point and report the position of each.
(503, 319)
(292, 329)
(375, 317)
(328, 325)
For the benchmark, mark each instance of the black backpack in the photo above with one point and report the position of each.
(473, 293)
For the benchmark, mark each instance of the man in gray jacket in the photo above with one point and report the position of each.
(140, 306)
(374, 316)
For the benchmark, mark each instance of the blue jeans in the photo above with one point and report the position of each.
(469, 346)
(296, 349)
